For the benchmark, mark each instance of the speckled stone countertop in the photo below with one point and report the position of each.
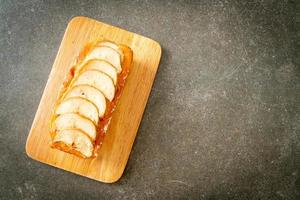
(223, 118)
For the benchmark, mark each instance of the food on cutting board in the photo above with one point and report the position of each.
(88, 98)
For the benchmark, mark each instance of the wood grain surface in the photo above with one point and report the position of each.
(112, 157)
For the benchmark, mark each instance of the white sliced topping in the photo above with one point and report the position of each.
(75, 139)
(113, 46)
(105, 53)
(98, 80)
(75, 121)
(78, 105)
(92, 94)
(104, 67)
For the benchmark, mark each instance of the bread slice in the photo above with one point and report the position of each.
(73, 141)
(104, 53)
(74, 121)
(103, 66)
(113, 46)
(78, 105)
(90, 93)
(97, 79)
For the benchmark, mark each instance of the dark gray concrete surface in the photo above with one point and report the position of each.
(223, 118)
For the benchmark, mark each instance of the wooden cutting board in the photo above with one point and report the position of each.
(113, 155)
